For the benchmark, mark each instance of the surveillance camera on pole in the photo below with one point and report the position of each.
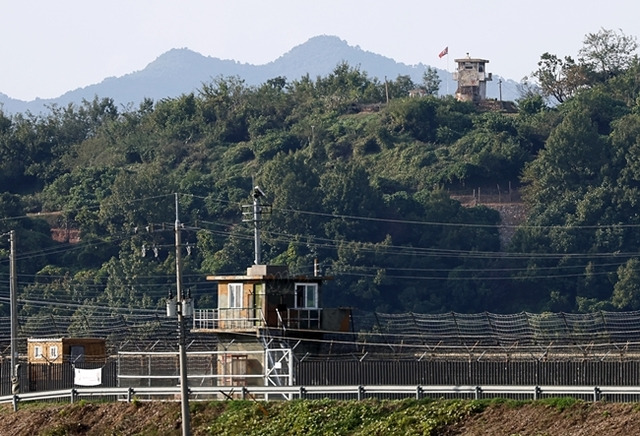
(257, 192)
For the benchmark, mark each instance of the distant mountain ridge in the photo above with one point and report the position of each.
(180, 71)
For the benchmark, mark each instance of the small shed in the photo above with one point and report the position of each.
(60, 350)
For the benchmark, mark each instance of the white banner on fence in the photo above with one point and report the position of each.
(87, 377)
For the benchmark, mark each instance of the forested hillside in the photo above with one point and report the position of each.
(359, 176)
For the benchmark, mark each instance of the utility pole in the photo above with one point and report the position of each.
(183, 306)
(386, 88)
(15, 381)
(254, 213)
(256, 227)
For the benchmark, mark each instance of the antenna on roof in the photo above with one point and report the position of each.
(253, 213)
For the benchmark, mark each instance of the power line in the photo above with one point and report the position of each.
(379, 248)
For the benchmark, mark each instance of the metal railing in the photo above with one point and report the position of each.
(249, 318)
(227, 318)
(299, 318)
(591, 393)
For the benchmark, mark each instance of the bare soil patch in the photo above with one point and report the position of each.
(535, 419)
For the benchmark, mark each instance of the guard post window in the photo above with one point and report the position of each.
(306, 295)
(235, 295)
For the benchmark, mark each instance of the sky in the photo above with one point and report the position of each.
(50, 47)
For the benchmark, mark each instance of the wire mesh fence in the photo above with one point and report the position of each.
(155, 332)
(595, 349)
(489, 329)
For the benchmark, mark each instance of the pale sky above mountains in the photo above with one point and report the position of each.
(51, 47)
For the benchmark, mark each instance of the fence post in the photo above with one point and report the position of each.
(536, 393)
(596, 394)
(15, 390)
(478, 392)
(73, 395)
(303, 392)
(244, 392)
(129, 394)
(419, 392)
(360, 392)
(15, 385)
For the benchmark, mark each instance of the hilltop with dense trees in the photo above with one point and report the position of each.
(359, 177)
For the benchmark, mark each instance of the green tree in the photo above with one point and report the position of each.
(626, 291)
(179, 118)
(415, 116)
(608, 53)
(431, 81)
(559, 78)
(493, 152)
(292, 185)
(400, 87)
(531, 105)
(134, 281)
(139, 199)
(337, 187)
(574, 157)
(223, 104)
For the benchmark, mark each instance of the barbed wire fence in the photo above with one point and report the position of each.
(524, 335)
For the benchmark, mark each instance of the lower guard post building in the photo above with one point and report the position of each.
(264, 316)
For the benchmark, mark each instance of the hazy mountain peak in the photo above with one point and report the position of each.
(175, 61)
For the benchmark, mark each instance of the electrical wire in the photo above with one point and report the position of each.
(382, 249)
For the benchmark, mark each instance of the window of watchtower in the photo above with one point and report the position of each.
(307, 295)
(235, 295)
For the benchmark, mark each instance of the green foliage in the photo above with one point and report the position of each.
(345, 88)
(560, 403)
(531, 105)
(415, 117)
(559, 78)
(431, 81)
(493, 149)
(320, 417)
(604, 56)
(626, 291)
(608, 53)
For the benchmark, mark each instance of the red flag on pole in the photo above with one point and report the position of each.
(444, 52)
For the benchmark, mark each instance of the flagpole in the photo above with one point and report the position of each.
(448, 71)
(443, 53)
